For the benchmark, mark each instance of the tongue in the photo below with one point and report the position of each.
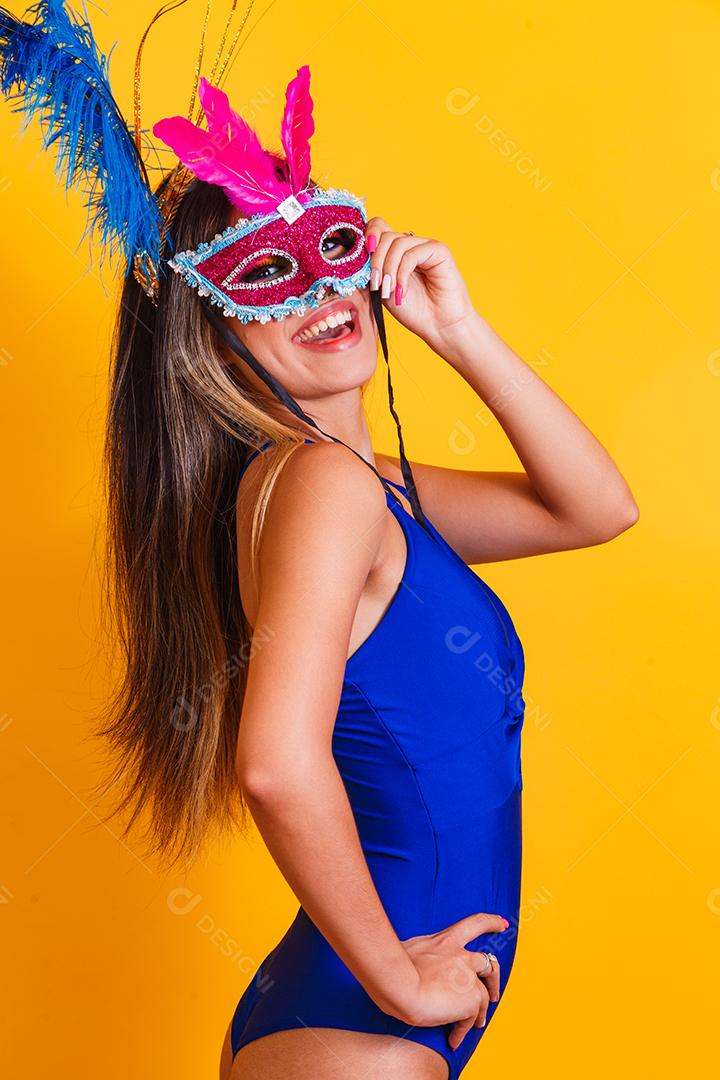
(331, 333)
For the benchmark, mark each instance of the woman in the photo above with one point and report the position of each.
(357, 682)
(301, 633)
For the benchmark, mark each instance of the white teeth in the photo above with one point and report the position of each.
(338, 318)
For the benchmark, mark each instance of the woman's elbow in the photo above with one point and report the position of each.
(274, 784)
(616, 521)
(625, 518)
(603, 525)
(260, 784)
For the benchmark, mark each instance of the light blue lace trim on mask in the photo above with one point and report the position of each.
(294, 305)
(184, 263)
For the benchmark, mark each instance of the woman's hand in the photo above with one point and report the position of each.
(451, 987)
(420, 283)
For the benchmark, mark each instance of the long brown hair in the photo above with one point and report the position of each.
(180, 424)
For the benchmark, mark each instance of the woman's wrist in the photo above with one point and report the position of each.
(393, 987)
(464, 342)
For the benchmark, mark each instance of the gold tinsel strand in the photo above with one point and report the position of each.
(198, 64)
(226, 66)
(137, 105)
(178, 178)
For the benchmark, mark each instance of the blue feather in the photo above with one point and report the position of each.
(52, 69)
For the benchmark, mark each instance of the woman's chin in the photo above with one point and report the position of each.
(352, 367)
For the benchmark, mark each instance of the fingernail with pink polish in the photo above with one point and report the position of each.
(398, 295)
(371, 242)
(374, 278)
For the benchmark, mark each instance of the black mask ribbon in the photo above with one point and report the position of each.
(220, 323)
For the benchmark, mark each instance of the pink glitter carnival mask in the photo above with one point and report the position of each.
(298, 240)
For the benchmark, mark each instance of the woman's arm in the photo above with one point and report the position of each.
(571, 494)
(325, 521)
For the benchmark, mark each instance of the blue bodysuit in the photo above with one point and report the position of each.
(427, 741)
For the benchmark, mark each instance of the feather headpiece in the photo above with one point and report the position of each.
(52, 69)
(230, 154)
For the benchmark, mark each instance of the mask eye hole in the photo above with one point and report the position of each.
(261, 269)
(340, 242)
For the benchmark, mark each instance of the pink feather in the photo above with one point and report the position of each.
(235, 133)
(229, 155)
(297, 128)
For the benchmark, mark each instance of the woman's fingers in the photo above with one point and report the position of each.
(461, 1027)
(467, 929)
(481, 1017)
(470, 978)
(459, 1031)
(374, 229)
(402, 255)
(387, 249)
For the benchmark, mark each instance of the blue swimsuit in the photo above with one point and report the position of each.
(427, 741)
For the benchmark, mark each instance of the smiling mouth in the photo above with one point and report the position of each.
(340, 324)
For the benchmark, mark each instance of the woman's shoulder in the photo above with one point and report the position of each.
(326, 519)
(319, 484)
(324, 478)
(321, 532)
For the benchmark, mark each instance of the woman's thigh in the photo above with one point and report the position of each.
(332, 1054)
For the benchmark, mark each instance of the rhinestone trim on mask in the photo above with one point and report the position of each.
(294, 305)
(231, 285)
(352, 254)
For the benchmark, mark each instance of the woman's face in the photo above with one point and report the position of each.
(330, 349)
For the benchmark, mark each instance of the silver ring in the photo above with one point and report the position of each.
(490, 957)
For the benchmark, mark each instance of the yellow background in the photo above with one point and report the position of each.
(569, 154)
